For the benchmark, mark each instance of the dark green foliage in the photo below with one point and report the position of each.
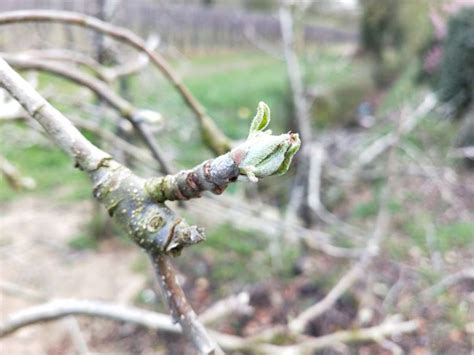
(456, 84)
(465, 136)
(380, 26)
(393, 32)
(338, 105)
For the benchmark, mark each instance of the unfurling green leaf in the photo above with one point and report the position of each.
(261, 119)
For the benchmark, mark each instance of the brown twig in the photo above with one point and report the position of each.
(180, 308)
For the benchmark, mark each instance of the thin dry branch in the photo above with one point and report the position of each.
(382, 144)
(107, 74)
(300, 193)
(450, 280)
(160, 322)
(135, 65)
(406, 123)
(137, 117)
(61, 308)
(266, 220)
(13, 176)
(316, 160)
(463, 152)
(102, 90)
(211, 135)
(294, 73)
(63, 56)
(221, 309)
(180, 308)
(375, 334)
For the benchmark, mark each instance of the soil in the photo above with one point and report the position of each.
(36, 264)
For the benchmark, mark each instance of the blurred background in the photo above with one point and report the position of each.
(381, 93)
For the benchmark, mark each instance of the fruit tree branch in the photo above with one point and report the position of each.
(211, 135)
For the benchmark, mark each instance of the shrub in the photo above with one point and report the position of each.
(456, 83)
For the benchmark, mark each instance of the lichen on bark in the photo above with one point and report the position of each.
(150, 224)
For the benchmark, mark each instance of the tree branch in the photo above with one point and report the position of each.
(61, 131)
(137, 117)
(153, 226)
(180, 308)
(161, 322)
(13, 177)
(376, 333)
(382, 144)
(221, 309)
(382, 224)
(107, 74)
(261, 155)
(62, 308)
(210, 133)
(63, 55)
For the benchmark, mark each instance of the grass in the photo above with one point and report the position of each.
(239, 257)
(83, 242)
(403, 91)
(50, 168)
(446, 236)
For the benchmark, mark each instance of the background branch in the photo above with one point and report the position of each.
(212, 136)
(137, 117)
(13, 176)
(161, 322)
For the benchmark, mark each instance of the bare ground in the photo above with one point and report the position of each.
(37, 264)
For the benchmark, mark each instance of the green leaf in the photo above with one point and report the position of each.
(289, 156)
(261, 119)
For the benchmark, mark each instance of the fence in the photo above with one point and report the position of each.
(190, 26)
